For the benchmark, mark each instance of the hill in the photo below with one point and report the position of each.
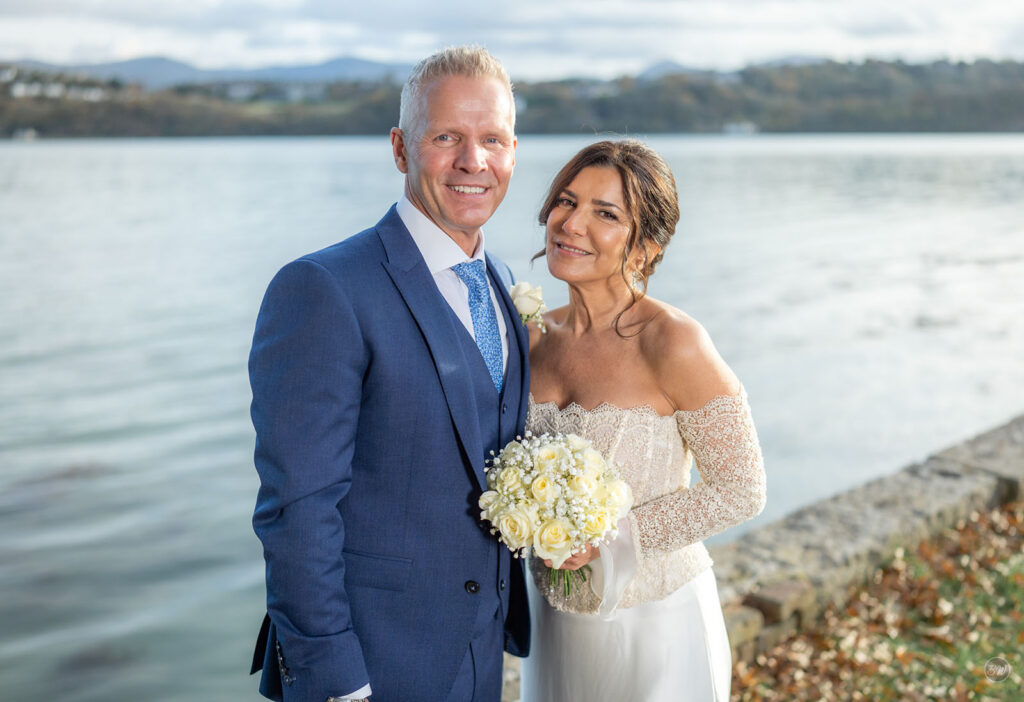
(810, 96)
(157, 72)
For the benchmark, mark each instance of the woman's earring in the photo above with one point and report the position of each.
(638, 280)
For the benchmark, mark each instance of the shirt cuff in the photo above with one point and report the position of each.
(359, 694)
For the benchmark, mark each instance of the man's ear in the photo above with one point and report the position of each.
(398, 150)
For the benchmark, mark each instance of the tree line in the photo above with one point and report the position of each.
(872, 96)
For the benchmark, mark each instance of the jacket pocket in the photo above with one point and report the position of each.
(374, 570)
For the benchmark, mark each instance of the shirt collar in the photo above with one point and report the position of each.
(438, 249)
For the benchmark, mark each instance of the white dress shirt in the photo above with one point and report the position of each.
(441, 253)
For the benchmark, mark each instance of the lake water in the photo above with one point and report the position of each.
(868, 290)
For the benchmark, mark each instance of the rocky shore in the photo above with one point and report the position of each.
(776, 580)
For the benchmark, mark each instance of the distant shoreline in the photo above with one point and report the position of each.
(875, 97)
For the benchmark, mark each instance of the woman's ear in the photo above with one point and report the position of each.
(644, 255)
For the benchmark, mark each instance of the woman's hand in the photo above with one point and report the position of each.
(578, 560)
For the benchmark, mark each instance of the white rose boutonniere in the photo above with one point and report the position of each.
(529, 303)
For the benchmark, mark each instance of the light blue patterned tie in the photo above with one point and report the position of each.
(485, 322)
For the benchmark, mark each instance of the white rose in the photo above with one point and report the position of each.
(531, 510)
(596, 524)
(577, 442)
(593, 462)
(582, 485)
(552, 541)
(506, 481)
(487, 501)
(549, 456)
(544, 489)
(514, 452)
(516, 527)
(619, 498)
(526, 298)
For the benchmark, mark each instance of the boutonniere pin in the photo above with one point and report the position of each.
(529, 304)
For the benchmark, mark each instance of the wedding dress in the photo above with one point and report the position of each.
(648, 624)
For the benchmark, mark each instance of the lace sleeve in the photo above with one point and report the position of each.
(724, 444)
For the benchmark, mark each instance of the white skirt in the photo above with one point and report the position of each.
(672, 650)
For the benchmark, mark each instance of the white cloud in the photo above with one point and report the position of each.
(535, 38)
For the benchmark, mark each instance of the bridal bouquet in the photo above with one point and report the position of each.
(555, 494)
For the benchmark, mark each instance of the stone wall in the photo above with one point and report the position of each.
(776, 579)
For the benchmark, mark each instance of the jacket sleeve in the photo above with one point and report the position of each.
(306, 368)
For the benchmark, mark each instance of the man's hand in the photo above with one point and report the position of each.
(578, 560)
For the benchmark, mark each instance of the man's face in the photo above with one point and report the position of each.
(460, 158)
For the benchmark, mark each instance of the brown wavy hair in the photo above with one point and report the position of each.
(649, 189)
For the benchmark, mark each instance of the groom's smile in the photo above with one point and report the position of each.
(468, 189)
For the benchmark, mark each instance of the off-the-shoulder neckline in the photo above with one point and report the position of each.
(645, 409)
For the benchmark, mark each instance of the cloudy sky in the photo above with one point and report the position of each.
(535, 38)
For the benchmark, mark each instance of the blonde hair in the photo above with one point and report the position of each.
(469, 61)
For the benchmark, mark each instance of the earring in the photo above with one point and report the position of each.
(638, 280)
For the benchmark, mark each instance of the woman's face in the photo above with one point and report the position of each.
(588, 228)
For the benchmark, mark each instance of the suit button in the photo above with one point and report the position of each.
(287, 680)
(502, 584)
(504, 408)
(472, 587)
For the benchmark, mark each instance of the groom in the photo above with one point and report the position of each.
(384, 369)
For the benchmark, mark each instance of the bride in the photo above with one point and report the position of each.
(644, 383)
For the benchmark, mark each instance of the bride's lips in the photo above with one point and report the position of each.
(567, 250)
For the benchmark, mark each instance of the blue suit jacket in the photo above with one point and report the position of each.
(371, 462)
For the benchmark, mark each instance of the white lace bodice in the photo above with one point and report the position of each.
(669, 519)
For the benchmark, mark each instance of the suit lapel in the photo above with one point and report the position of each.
(408, 271)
